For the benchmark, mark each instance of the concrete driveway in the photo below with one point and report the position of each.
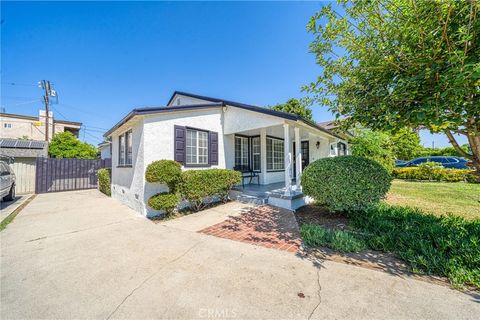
(82, 255)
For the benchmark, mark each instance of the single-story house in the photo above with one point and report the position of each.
(204, 132)
(105, 148)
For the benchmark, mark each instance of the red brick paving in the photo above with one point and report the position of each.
(263, 226)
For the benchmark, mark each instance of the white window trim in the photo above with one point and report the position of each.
(122, 161)
(273, 169)
(197, 148)
(259, 153)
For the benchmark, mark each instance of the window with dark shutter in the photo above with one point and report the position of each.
(213, 147)
(179, 147)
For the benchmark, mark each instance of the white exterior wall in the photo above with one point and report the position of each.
(105, 152)
(128, 182)
(159, 137)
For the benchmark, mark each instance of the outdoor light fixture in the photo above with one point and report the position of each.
(318, 144)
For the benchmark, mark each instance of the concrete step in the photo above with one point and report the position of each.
(245, 198)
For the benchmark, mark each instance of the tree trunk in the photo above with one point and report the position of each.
(474, 142)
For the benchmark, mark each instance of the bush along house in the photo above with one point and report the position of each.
(270, 148)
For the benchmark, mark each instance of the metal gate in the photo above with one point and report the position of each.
(54, 175)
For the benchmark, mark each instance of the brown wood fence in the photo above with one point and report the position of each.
(54, 175)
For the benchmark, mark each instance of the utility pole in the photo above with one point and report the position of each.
(49, 92)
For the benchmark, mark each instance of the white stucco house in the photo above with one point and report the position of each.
(204, 132)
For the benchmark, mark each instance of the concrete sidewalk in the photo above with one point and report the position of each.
(83, 255)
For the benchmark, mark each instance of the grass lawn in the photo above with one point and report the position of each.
(462, 199)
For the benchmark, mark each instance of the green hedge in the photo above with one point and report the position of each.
(104, 181)
(197, 185)
(164, 201)
(436, 174)
(345, 183)
(168, 172)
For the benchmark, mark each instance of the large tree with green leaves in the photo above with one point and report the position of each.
(402, 63)
(299, 107)
(66, 145)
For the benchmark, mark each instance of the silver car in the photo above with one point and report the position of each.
(7, 182)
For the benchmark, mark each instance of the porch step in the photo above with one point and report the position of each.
(245, 198)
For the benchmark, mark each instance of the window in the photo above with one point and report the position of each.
(197, 147)
(256, 153)
(342, 149)
(128, 138)
(121, 150)
(7, 125)
(125, 149)
(241, 152)
(275, 154)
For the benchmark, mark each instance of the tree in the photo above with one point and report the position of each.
(66, 145)
(406, 144)
(402, 63)
(299, 107)
(374, 145)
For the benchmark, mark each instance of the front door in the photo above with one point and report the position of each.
(304, 146)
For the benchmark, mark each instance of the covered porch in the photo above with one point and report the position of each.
(273, 157)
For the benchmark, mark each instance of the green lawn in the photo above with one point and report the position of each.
(439, 198)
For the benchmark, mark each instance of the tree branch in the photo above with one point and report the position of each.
(455, 145)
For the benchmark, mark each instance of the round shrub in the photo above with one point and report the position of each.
(345, 183)
(168, 172)
(164, 201)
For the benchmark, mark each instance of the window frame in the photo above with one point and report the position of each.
(197, 164)
(242, 149)
(124, 149)
(273, 169)
(253, 154)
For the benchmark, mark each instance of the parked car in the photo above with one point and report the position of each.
(446, 161)
(7, 182)
(397, 162)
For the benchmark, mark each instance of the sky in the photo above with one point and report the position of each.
(106, 58)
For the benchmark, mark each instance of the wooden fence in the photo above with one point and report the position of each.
(24, 169)
(54, 175)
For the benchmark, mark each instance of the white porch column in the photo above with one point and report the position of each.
(288, 158)
(263, 155)
(298, 158)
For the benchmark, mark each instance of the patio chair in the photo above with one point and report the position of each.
(247, 173)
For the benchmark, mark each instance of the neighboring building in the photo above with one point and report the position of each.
(105, 149)
(16, 126)
(203, 132)
(24, 154)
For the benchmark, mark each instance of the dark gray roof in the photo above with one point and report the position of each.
(22, 144)
(215, 103)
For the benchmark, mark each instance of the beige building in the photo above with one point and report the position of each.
(16, 126)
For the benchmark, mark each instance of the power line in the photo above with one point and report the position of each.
(20, 84)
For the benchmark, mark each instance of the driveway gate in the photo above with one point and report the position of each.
(55, 175)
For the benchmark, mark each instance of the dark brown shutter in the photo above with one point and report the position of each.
(213, 147)
(179, 147)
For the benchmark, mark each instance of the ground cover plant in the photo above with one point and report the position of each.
(445, 246)
(339, 240)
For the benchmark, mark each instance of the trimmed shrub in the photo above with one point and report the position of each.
(346, 183)
(164, 201)
(104, 181)
(197, 185)
(435, 174)
(168, 172)
(343, 241)
(445, 246)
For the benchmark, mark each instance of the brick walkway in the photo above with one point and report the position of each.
(263, 226)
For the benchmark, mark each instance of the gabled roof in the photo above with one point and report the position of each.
(280, 114)
(215, 102)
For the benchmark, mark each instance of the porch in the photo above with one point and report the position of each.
(275, 154)
(273, 194)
